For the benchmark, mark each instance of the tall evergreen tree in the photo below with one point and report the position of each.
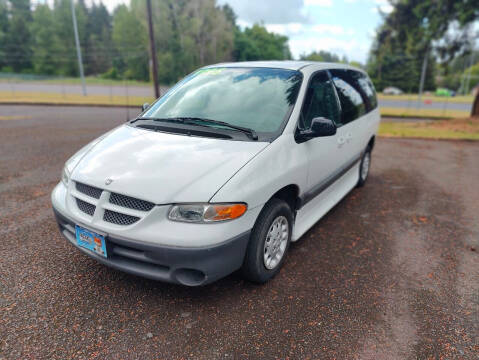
(98, 48)
(44, 39)
(3, 31)
(415, 30)
(63, 28)
(17, 40)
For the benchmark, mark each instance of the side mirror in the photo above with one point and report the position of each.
(319, 127)
(144, 107)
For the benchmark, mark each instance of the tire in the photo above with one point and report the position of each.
(255, 267)
(364, 167)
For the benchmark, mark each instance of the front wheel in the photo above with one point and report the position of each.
(269, 242)
(364, 167)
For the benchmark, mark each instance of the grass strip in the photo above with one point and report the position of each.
(423, 113)
(459, 129)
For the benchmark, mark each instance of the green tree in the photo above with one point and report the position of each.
(473, 74)
(3, 31)
(415, 30)
(229, 14)
(256, 43)
(210, 31)
(98, 48)
(356, 64)
(322, 56)
(17, 40)
(65, 50)
(44, 48)
(129, 39)
(452, 72)
(188, 34)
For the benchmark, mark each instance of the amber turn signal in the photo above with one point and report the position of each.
(206, 212)
(224, 212)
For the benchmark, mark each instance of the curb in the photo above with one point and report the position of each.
(68, 104)
(404, 116)
(425, 138)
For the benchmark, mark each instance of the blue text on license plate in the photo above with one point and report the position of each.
(91, 240)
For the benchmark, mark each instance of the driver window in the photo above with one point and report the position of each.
(320, 101)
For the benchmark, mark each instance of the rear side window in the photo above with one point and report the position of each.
(368, 91)
(352, 103)
(320, 101)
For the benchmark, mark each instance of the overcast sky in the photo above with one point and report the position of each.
(345, 27)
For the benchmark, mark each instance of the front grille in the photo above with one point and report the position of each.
(119, 219)
(130, 202)
(88, 190)
(87, 208)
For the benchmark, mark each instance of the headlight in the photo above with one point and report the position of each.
(205, 213)
(65, 176)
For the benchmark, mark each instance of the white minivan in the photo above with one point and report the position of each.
(222, 172)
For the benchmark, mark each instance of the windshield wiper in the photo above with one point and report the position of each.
(196, 120)
(158, 119)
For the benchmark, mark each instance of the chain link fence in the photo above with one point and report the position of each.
(30, 88)
(46, 89)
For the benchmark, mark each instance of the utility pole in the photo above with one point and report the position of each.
(153, 50)
(423, 78)
(77, 41)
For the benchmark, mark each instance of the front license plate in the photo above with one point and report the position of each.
(91, 240)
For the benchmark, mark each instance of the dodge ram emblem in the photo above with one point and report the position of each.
(108, 181)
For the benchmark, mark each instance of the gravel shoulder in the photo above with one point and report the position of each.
(390, 273)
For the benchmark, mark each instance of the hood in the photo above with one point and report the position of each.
(163, 168)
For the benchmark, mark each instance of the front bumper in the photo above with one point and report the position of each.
(182, 265)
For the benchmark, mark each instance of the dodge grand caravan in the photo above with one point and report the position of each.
(222, 172)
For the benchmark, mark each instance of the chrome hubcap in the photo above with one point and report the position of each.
(365, 166)
(276, 241)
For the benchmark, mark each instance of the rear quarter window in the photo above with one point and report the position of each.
(369, 92)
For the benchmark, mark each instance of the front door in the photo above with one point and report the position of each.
(325, 154)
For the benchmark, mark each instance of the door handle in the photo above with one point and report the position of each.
(349, 137)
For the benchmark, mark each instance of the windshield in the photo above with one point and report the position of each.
(254, 98)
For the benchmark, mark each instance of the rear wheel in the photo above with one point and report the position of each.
(269, 242)
(364, 167)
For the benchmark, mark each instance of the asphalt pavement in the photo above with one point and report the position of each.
(436, 105)
(390, 273)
